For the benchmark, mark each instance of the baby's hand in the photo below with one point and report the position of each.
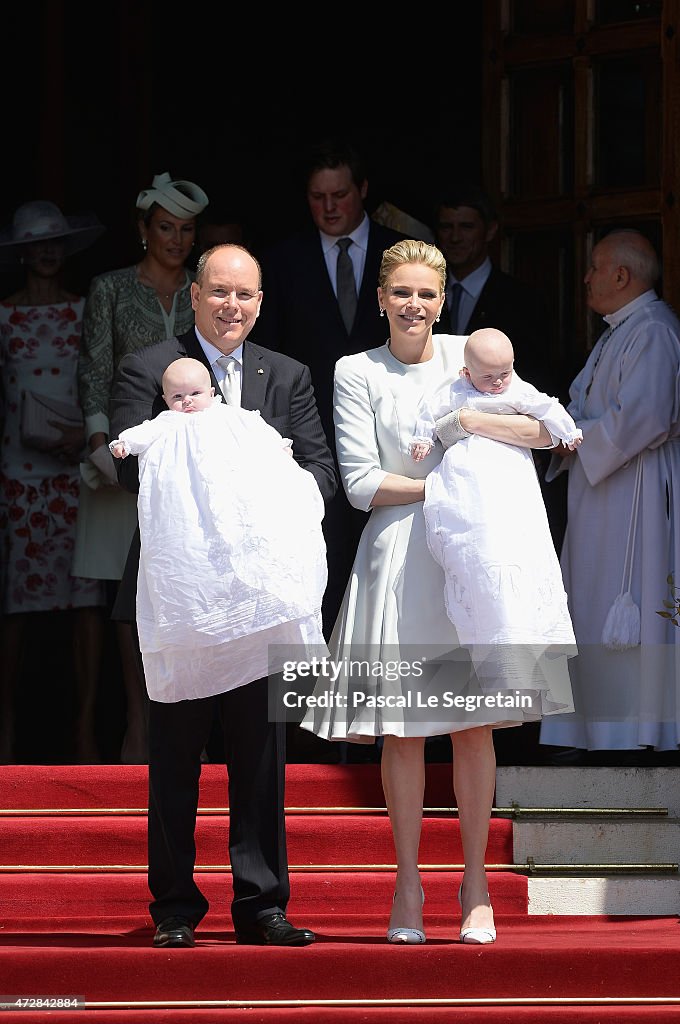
(118, 450)
(419, 449)
(571, 445)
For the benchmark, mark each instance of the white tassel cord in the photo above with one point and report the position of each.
(622, 626)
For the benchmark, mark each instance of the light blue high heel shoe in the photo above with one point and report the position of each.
(479, 936)
(407, 936)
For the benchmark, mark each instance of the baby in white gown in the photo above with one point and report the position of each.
(232, 558)
(486, 521)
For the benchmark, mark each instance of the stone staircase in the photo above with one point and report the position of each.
(595, 840)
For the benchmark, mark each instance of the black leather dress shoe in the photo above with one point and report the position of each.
(274, 930)
(174, 932)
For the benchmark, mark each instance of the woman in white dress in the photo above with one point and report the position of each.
(393, 610)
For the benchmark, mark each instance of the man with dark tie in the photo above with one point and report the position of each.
(479, 294)
(321, 287)
(226, 299)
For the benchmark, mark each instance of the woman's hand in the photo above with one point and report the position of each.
(520, 430)
(102, 460)
(71, 444)
(97, 440)
(398, 490)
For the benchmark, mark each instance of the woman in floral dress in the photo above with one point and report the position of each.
(40, 328)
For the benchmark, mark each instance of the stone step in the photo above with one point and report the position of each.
(643, 896)
(626, 817)
(546, 786)
(597, 841)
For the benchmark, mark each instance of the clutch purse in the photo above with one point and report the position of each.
(37, 412)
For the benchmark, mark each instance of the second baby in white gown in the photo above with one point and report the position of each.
(486, 523)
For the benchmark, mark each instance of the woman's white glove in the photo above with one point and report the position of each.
(99, 469)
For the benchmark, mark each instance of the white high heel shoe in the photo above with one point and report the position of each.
(479, 936)
(407, 936)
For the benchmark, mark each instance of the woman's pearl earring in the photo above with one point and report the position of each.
(437, 318)
(144, 244)
(382, 311)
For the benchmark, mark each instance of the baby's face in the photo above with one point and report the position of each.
(186, 395)
(490, 378)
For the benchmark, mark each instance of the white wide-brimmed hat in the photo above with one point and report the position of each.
(181, 198)
(42, 221)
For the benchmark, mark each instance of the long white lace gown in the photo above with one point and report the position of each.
(232, 558)
(488, 529)
(393, 618)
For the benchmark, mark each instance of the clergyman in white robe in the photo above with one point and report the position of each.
(626, 399)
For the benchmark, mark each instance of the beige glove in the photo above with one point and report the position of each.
(100, 469)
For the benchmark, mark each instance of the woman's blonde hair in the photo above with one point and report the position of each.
(412, 251)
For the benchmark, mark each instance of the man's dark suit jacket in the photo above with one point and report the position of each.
(520, 312)
(300, 316)
(278, 386)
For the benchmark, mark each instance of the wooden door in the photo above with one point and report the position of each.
(580, 135)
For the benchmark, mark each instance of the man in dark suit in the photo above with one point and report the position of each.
(479, 294)
(305, 314)
(226, 298)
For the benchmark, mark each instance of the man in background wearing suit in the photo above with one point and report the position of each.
(479, 294)
(226, 298)
(311, 315)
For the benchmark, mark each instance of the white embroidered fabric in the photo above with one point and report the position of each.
(487, 527)
(232, 552)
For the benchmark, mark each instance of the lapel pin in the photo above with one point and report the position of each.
(260, 370)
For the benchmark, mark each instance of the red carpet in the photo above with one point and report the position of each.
(346, 839)
(84, 929)
(307, 785)
(394, 1014)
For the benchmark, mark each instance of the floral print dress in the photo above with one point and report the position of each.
(39, 493)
